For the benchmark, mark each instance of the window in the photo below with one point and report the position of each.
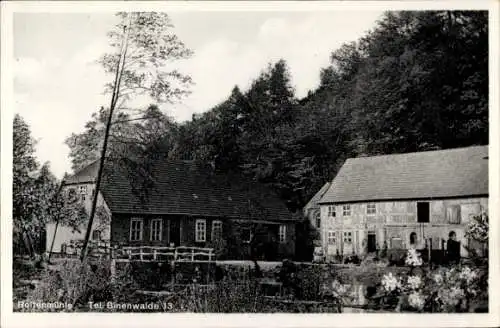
(371, 209)
(346, 210)
(331, 211)
(413, 238)
(282, 233)
(156, 229)
(82, 190)
(453, 214)
(396, 243)
(96, 235)
(201, 230)
(423, 212)
(216, 230)
(246, 235)
(72, 195)
(331, 237)
(136, 227)
(318, 220)
(348, 237)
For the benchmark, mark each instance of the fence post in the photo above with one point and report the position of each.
(192, 254)
(154, 254)
(112, 267)
(140, 253)
(429, 250)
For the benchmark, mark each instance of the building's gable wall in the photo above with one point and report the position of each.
(65, 234)
(395, 219)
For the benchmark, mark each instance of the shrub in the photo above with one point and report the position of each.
(76, 283)
(458, 288)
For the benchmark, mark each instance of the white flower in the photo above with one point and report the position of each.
(413, 258)
(338, 288)
(451, 296)
(416, 300)
(457, 292)
(414, 282)
(390, 282)
(449, 273)
(467, 274)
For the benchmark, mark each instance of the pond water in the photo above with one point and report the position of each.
(356, 293)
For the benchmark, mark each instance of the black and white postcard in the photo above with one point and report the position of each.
(250, 163)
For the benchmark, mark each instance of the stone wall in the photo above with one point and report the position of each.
(394, 222)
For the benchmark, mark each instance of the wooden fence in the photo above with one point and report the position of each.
(142, 253)
(163, 254)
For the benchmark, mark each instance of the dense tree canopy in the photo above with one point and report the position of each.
(36, 196)
(417, 81)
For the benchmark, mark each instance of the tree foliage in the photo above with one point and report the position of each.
(417, 81)
(128, 136)
(148, 45)
(36, 196)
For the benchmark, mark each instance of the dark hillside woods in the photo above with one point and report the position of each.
(417, 81)
(279, 160)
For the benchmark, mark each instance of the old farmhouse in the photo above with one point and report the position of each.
(402, 201)
(182, 204)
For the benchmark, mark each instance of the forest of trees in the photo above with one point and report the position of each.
(418, 81)
(36, 196)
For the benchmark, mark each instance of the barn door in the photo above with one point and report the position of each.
(175, 232)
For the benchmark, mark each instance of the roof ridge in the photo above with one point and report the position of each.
(418, 152)
(454, 172)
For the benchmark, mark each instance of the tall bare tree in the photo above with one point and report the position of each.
(144, 45)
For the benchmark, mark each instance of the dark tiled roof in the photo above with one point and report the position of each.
(316, 198)
(432, 174)
(189, 188)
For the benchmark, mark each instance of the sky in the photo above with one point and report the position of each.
(58, 84)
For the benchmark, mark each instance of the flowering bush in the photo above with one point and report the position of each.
(391, 283)
(454, 289)
(413, 258)
(478, 227)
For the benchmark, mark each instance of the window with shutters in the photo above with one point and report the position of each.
(453, 214)
(156, 229)
(467, 211)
